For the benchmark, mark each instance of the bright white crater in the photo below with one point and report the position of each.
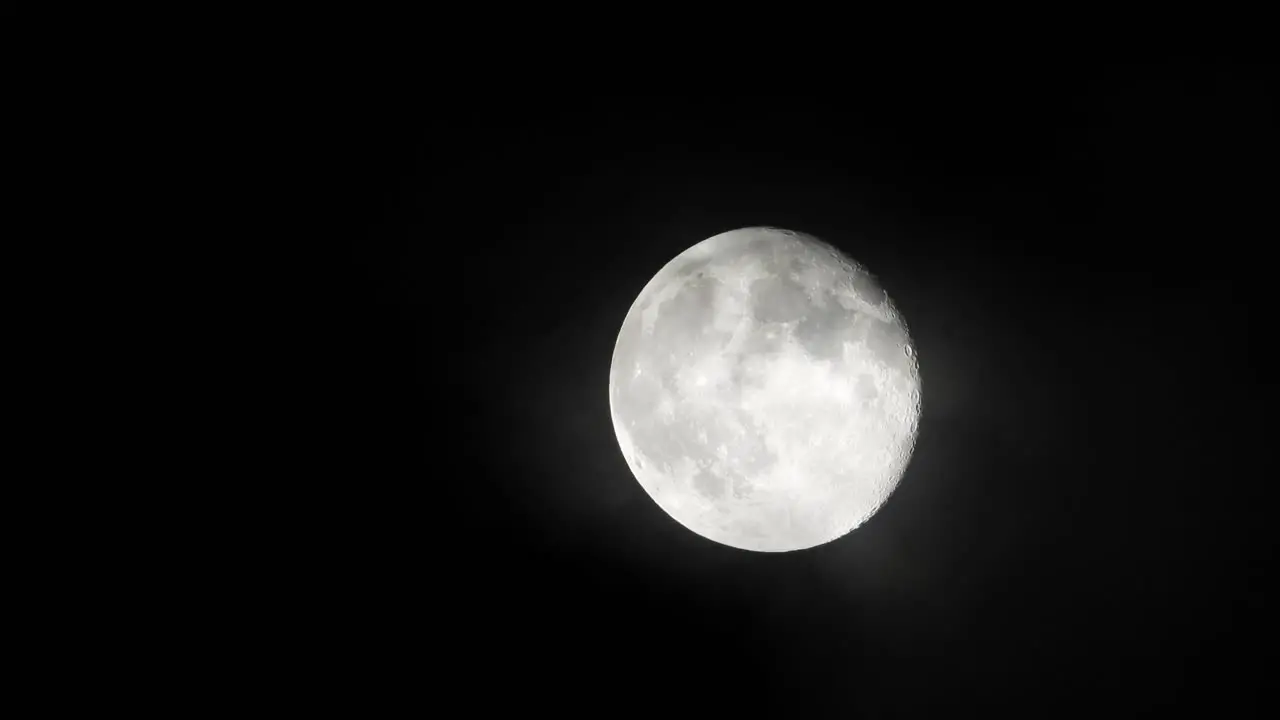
(764, 391)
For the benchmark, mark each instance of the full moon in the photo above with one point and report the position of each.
(764, 391)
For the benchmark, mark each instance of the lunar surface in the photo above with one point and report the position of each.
(764, 391)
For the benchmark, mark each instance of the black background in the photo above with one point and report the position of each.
(1082, 255)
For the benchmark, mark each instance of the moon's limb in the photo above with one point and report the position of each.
(764, 392)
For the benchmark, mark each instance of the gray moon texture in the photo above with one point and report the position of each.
(765, 391)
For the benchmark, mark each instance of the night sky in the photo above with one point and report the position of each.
(1081, 255)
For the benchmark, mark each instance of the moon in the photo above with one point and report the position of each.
(764, 391)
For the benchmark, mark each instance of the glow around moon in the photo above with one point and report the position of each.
(764, 391)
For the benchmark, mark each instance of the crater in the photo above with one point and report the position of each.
(885, 341)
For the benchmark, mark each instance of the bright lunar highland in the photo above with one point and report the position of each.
(764, 391)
